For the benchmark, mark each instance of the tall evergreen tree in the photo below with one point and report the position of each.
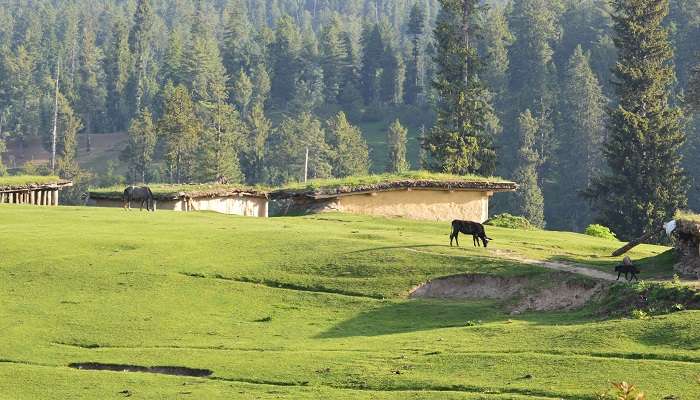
(92, 89)
(396, 139)
(529, 203)
(117, 68)
(174, 68)
(582, 135)
(460, 142)
(645, 184)
(285, 55)
(259, 129)
(416, 27)
(220, 145)
(494, 44)
(532, 83)
(180, 129)
(351, 154)
(243, 92)
(138, 153)
(333, 57)
(372, 56)
(393, 76)
(140, 46)
(68, 126)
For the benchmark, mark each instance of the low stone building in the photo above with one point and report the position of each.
(217, 198)
(43, 193)
(435, 200)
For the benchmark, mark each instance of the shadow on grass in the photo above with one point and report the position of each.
(424, 315)
(654, 267)
(405, 246)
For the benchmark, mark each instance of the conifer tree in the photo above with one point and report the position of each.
(138, 153)
(494, 44)
(140, 45)
(259, 129)
(532, 83)
(396, 139)
(372, 56)
(174, 69)
(243, 92)
(645, 184)
(180, 129)
(393, 76)
(351, 154)
(261, 85)
(416, 27)
(220, 144)
(285, 55)
(460, 141)
(581, 137)
(529, 202)
(333, 57)
(92, 91)
(68, 126)
(117, 68)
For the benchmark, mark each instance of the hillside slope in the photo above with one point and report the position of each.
(309, 307)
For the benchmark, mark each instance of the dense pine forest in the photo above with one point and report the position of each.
(590, 105)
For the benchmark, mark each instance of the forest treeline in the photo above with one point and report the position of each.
(539, 91)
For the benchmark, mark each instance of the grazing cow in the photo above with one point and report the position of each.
(142, 194)
(469, 228)
(627, 268)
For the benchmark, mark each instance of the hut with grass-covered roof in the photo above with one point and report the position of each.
(221, 198)
(31, 190)
(413, 195)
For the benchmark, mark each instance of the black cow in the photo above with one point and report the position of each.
(627, 269)
(139, 193)
(469, 228)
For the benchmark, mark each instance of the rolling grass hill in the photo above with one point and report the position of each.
(308, 307)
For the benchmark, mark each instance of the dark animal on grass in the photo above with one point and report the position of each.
(141, 194)
(627, 268)
(469, 228)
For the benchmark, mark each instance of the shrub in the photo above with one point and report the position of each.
(640, 314)
(506, 220)
(600, 231)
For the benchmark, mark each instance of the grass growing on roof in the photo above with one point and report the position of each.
(25, 180)
(389, 177)
(304, 308)
(166, 189)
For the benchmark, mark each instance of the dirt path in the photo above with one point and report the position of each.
(554, 265)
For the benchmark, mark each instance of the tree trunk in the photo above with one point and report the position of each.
(466, 14)
(624, 249)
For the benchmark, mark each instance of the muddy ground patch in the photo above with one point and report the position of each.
(519, 293)
(166, 370)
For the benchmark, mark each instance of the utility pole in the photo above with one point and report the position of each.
(306, 166)
(55, 119)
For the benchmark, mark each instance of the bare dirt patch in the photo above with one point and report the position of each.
(520, 294)
(166, 370)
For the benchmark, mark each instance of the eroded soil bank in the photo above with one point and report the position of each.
(520, 293)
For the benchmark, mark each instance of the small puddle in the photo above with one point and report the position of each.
(167, 370)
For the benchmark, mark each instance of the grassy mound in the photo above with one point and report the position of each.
(26, 180)
(305, 308)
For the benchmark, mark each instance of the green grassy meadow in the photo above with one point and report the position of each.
(310, 307)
